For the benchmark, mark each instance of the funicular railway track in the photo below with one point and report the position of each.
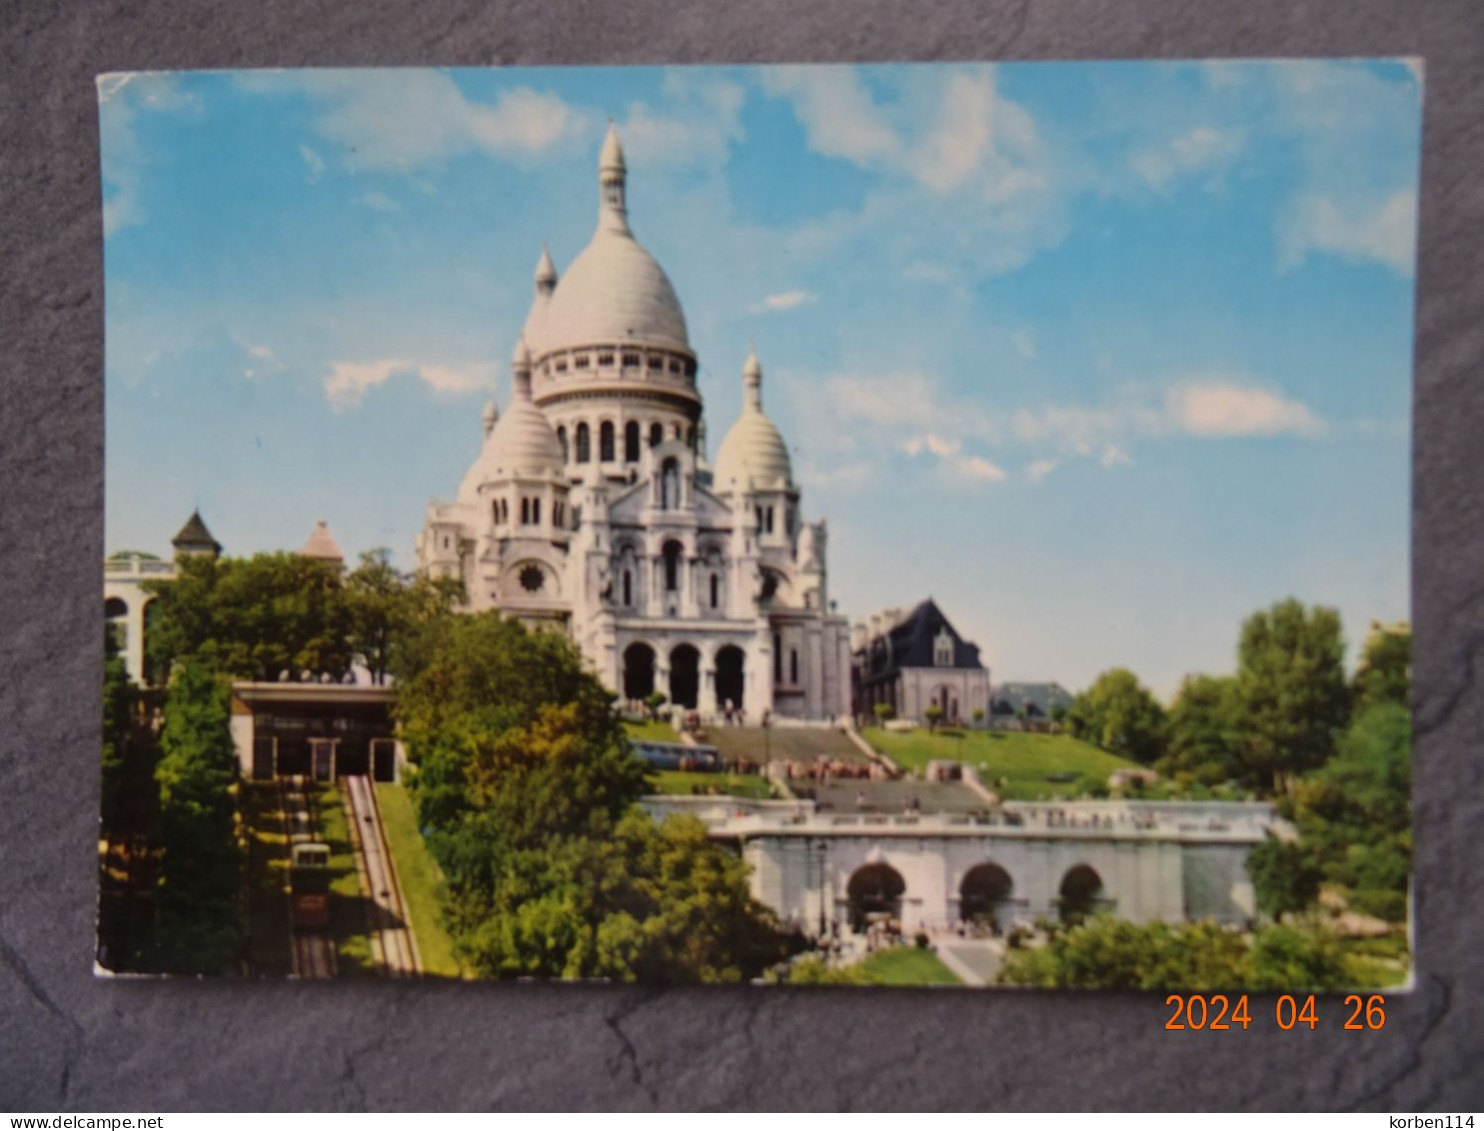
(392, 943)
(312, 952)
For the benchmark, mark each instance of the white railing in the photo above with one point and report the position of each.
(138, 567)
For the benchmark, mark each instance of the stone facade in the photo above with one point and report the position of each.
(913, 660)
(592, 508)
(821, 870)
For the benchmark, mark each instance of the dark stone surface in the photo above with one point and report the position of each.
(70, 1042)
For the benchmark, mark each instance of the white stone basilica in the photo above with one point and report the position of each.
(591, 508)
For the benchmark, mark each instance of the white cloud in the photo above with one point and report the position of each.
(263, 357)
(836, 110)
(911, 413)
(700, 123)
(973, 139)
(348, 381)
(1200, 150)
(1023, 342)
(785, 300)
(405, 118)
(1221, 409)
(930, 442)
(379, 202)
(121, 97)
(1385, 232)
(976, 467)
(1356, 130)
(1041, 469)
(952, 459)
(313, 162)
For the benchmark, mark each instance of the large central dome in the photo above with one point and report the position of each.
(614, 293)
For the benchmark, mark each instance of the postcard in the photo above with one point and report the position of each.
(885, 525)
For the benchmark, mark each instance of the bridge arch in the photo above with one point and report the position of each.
(1081, 893)
(874, 892)
(985, 890)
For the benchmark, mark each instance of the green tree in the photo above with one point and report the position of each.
(1288, 959)
(526, 786)
(1203, 731)
(977, 716)
(1385, 672)
(654, 701)
(1112, 954)
(253, 618)
(471, 692)
(1356, 810)
(1291, 691)
(1285, 877)
(197, 927)
(1119, 714)
(934, 715)
(883, 712)
(120, 697)
(385, 608)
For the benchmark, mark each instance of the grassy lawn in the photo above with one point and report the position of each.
(1025, 759)
(418, 873)
(736, 785)
(651, 732)
(349, 923)
(907, 966)
(267, 881)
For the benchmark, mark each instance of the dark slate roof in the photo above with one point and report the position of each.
(194, 536)
(1036, 698)
(910, 644)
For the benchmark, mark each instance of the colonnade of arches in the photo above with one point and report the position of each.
(601, 441)
(986, 894)
(681, 677)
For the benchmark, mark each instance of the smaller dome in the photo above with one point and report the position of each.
(521, 444)
(753, 449)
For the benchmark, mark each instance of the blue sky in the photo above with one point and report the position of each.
(1103, 356)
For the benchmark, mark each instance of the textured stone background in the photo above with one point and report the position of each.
(68, 1042)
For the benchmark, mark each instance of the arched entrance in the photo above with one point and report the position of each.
(875, 894)
(685, 676)
(1081, 893)
(116, 619)
(638, 671)
(731, 677)
(985, 888)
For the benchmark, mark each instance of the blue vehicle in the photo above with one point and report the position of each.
(678, 756)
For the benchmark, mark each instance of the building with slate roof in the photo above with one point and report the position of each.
(915, 660)
(126, 601)
(591, 508)
(1029, 700)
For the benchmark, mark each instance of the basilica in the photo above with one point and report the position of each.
(593, 510)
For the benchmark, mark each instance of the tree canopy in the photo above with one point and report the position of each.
(1291, 690)
(253, 618)
(526, 788)
(1385, 672)
(1119, 714)
(1204, 730)
(1356, 810)
(198, 929)
(1111, 954)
